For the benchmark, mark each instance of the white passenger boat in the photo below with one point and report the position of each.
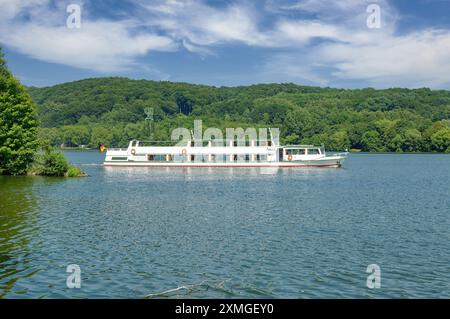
(255, 154)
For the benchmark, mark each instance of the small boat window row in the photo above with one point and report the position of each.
(203, 158)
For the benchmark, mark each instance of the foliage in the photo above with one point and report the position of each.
(53, 163)
(111, 111)
(74, 171)
(18, 124)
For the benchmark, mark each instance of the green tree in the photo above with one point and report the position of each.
(302, 123)
(54, 164)
(338, 141)
(371, 142)
(185, 104)
(441, 140)
(18, 124)
(75, 135)
(412, 140)
(271, 110)
(51, 136)
(101, 135)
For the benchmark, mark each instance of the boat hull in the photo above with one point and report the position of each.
(337, 162)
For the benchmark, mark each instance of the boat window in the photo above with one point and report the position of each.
(295, 151)
(313, 151)
(247, 157)
(119, 158)
(150, 157)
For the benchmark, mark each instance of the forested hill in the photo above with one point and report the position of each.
(111, 111)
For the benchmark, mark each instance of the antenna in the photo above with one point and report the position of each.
(148, 122)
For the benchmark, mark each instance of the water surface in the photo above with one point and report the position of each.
(230, 232)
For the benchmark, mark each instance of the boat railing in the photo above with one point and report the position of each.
(208, 143)
(117, 149)
(338, 154)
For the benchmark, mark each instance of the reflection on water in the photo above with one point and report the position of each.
(17, 227)
(211, 173)
(229, 232)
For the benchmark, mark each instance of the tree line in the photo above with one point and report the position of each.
(112, 111)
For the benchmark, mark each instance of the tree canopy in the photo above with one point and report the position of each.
(18, 124)
(111, 111)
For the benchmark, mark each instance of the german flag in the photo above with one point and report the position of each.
(101, 148)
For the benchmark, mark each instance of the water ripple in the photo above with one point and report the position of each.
(230, 233)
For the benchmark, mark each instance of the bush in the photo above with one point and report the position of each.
(74, 171)
(54, 164)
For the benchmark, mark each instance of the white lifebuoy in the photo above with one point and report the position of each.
(290, 158)
(133, 152)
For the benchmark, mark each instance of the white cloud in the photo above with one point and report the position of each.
(326, 6)
(301, 32)
(314, 41)
(378, 57)
(413, 60)
(100, 45)
(202, 24)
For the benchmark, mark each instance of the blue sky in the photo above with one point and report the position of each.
(310, 42)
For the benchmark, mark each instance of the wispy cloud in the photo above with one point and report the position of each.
(413, 60)
(202, 24)
(379, 57)
(37, 29)
(313, 41)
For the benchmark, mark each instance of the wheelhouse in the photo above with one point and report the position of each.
(301, 152)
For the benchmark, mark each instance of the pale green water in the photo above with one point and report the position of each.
(295, 233)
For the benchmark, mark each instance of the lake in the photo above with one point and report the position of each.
(230, 233)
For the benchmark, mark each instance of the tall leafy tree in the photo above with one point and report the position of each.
(18, 124)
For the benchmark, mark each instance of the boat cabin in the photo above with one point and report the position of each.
(301, 152)
(255, 152)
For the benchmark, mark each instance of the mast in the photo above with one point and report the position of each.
(148, 122)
